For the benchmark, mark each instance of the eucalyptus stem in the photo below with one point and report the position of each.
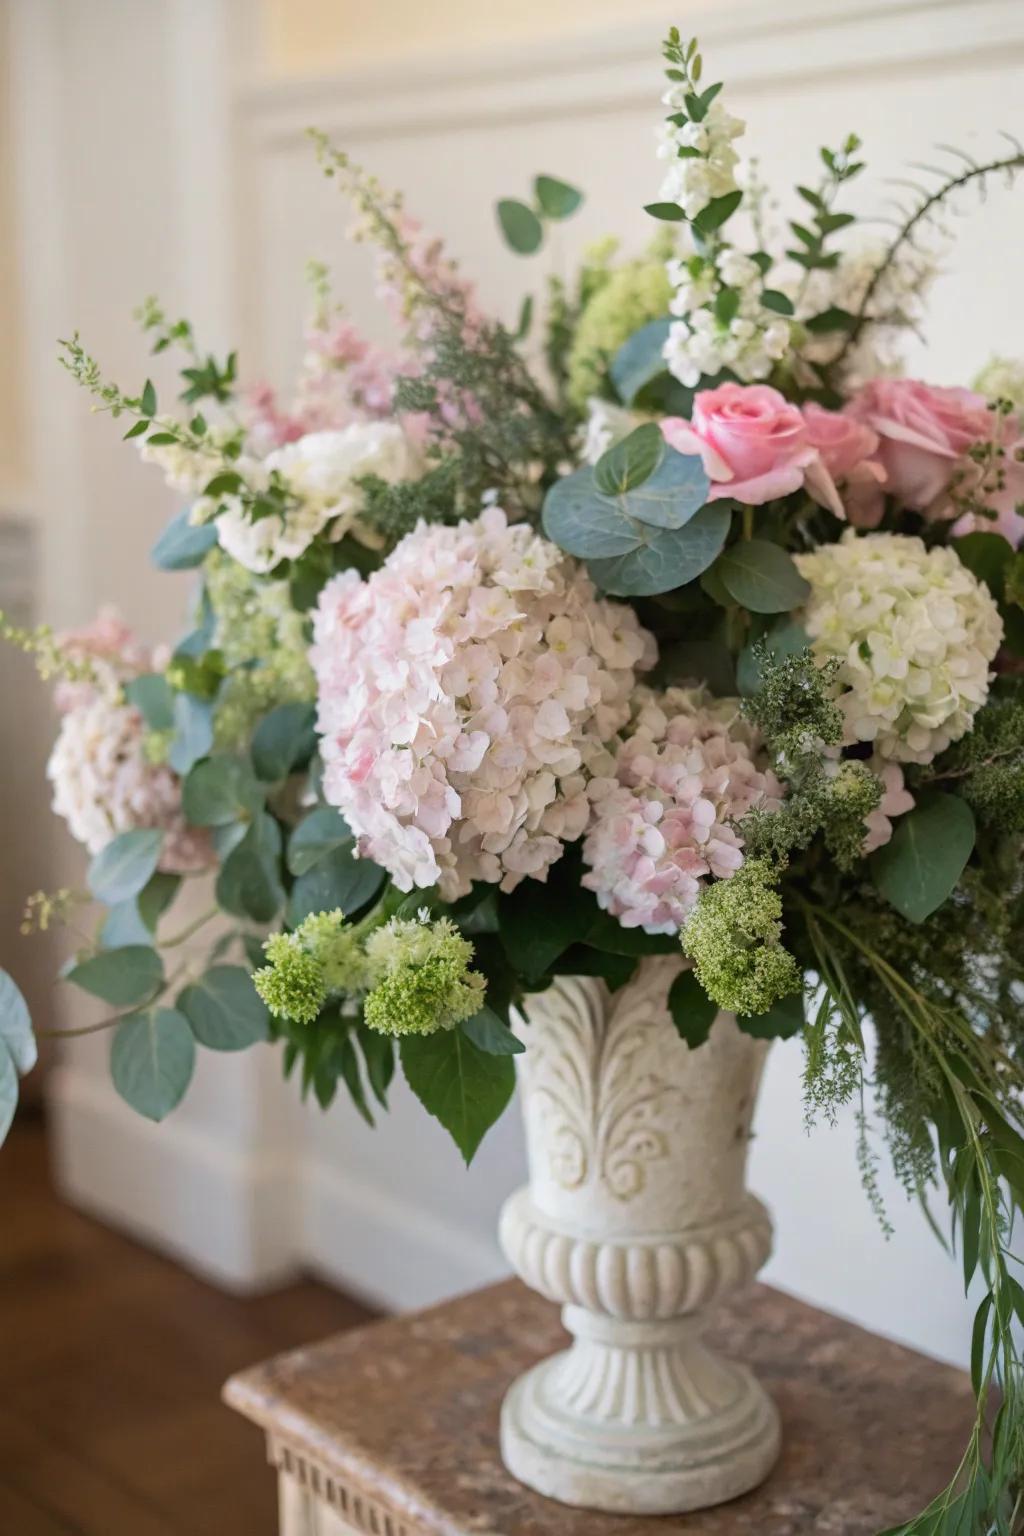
(186, 933)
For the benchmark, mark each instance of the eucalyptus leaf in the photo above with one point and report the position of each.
(986, 555)
(520, 226)
(284, 738)
(700, 661)
(487, 1032)
(691, 1010)
(920, 866)
(316, 835)
(639, 360)
(339, 879)
(193, 732)
(219, 790)
(583, 522)
(631, 461)
(224, 1009)
(781, 1022)
(183, 545)
(152, 1058)
(122, 977)
(123, 926)
(249, 883)
(762, 577)
(667, 559)
(674, 491)
(153, 696)
(16, 1037)
(8, 1092)
(125, 865)
(556, 199)
(466, 1089)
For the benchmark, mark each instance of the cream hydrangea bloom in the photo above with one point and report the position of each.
(914, 633)
(464, 691)
(322, 469)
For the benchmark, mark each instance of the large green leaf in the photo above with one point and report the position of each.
(8, 1092)
(762, 577)
(123, 977)
(284, 738)
(153, 697)
(339, 879)
(781, 1022)
(220, 790)
(193, 731)
(520, 226)
(701, 661)
(16, 1037)
(986, 555)
(121, 869)
(151, 1060)
(224, 1009)
(249, 883)
(640, 360)
(631, 461)
(316, 835)
(691, 1010)
(925, 858)
(465, 1088)
(487, 1031)
(642, 486)
(666, 558)
(182, 545)
(556, 199)
(539, 920)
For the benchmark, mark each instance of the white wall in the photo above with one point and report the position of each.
(219, 208)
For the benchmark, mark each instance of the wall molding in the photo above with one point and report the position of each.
(610, 70)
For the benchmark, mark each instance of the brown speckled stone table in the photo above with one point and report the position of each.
(393, 1430)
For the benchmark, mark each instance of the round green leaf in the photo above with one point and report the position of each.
(316, 835)
(631, 461)
(585, 523)
(520, 226)
(639, 360)
(283, 739)
(668, 558)
(123, 926)
(249, 883)
(121, 869)
(339, 879)
(762, 577)
(224, 1009)
(193, 732)
(925, 858)
(691, 1010)
(489, 1034)
(672, 493)
(218, 791)
(153, 697)
(151, 1061)
(556, 199)
(182, 545)
(8, 1092)
(16, 1035)
(123, 977)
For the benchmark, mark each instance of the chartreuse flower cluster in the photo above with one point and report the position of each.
(734, 938)
(412, 975)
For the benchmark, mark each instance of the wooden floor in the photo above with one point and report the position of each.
(111, 1363)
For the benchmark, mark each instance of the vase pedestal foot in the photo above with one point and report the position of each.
(638, 1418)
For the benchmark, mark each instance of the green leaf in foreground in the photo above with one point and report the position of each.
(639, 360)
(122, 977)
(781, 1022)
(921, 865)
(466, 1089)
(556, 199)
(668, 558)
(487, 1031)
(8, 1093)
(151, 1061)
(121, 869)
(520, 226)
(182, 545)
(249, 883)
(630, 462)
(220, 790)
(16, 1037)
(691, 1010)
(283, 739)
(762, 577)
(316, 835)
(337, 880)
(224, 1009)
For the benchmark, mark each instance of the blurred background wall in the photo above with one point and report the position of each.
(159, 147)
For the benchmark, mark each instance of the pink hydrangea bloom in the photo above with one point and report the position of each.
(896, 801)
(104, 782)
(664, 806)
(465, 689)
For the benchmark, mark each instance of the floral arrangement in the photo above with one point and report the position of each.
(676, 621)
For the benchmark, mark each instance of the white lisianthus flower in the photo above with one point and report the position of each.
(321, 470)
(914, 633)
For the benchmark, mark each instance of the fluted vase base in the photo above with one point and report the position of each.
(638, 1418)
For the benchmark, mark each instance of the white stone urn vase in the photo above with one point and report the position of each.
(637, 1219)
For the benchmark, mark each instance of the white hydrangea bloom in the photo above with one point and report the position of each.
(914, 633)
(1002, 378)
(322, 469)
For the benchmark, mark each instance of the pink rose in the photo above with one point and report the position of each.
(753, 443)
(924, 435)
(847, 449)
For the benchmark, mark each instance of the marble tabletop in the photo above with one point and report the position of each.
(404, 1416)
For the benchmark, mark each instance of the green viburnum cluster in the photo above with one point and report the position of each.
(413, 975)
(630, 296)
(263, 641)
(803, 727)
(734, 938)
